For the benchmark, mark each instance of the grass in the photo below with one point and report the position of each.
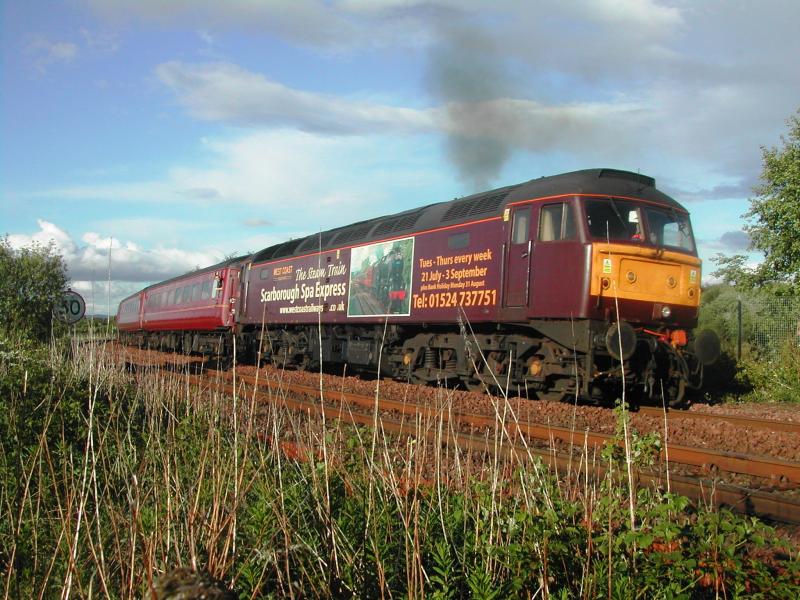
(111, 480)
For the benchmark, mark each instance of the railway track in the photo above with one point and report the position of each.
(472, 430)
(401, 418)
(746, 423)
(780, 471)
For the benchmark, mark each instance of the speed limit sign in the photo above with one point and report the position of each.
(72, 307)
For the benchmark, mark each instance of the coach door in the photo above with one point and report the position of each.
(516, 286)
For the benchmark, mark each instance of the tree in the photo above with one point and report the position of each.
(775, 212)
(774, 218)
(32, 281)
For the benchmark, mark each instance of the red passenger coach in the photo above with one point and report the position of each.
(129, 316)
(190, 312)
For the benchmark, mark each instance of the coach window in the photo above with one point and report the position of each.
(205, 293)
(521, 225)
(178, 293)
(187, 294)
(218, 286)
(195, 292)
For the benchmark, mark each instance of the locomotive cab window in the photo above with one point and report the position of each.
(614, 220)
(557, 222)
(670, 228)
(520, 228)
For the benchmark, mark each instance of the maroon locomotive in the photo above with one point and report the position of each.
(547, 287)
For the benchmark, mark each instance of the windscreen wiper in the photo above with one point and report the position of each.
(616, 212)
(681, 223)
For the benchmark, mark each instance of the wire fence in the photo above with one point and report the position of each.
(763, 324)
(755, 324)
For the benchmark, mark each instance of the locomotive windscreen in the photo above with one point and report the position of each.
(619, 220)
(614, 220)
(669, 228)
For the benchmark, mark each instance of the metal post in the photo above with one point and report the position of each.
(739, 337)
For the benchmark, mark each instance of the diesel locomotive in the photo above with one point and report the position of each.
(571, 285)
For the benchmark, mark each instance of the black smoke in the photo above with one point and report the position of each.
(467, 75)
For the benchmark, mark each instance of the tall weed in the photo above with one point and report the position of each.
(111, 479)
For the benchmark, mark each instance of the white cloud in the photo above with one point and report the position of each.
(104, 42)
(226, 92)
(298, 182)
(44, 52)
(88, 259)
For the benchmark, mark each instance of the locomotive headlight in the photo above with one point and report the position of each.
(666, 312)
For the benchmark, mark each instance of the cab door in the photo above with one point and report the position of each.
(517, 279)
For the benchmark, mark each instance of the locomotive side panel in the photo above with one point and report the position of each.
(459, 269)
(428, 277)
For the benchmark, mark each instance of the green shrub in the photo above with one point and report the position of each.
(32, 281)
(775, 378)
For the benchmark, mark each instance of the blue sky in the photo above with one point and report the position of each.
(174, 133)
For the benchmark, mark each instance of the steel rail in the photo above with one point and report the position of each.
(739, 421)
(765, 505)
(709, 460)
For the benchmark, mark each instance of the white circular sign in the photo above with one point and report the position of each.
(72, 307)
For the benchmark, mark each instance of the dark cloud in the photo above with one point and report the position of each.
(634, 84)
(734, 241)
(741, 189)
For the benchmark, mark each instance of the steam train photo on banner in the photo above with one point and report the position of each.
(550, 287)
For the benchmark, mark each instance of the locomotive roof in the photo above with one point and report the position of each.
(482, 205)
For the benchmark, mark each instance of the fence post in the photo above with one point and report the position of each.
(739, 329)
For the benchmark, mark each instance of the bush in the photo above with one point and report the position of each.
(32, 281)
(775, 379)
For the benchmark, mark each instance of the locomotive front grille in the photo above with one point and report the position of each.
(645, 274)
